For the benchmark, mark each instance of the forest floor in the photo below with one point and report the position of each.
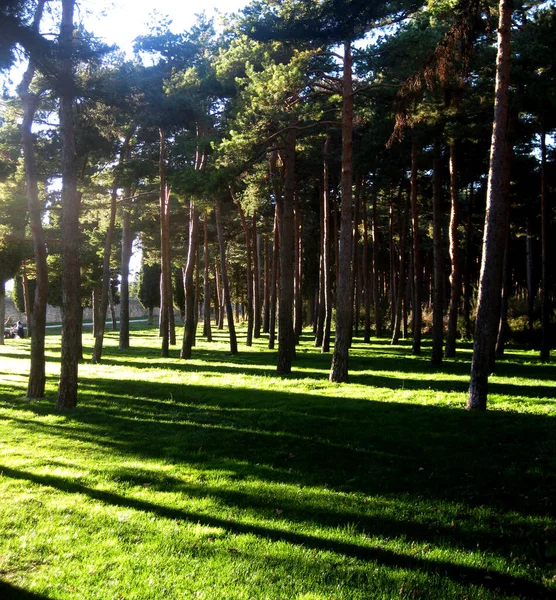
(214, 478)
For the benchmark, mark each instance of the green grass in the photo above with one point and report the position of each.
(215, 478)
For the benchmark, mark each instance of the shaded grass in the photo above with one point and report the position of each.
(215, 478)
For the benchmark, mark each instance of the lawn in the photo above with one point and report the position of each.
(215, 478)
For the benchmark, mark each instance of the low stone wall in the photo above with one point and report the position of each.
(54, 315)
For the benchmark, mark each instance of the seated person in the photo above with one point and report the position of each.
(20, 332)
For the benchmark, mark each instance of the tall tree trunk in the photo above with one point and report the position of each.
(468, 288)
(327, 257)
(99, 334)
(286, 341)
(417, 271)
(455, 272)
(530, 270)
(298, 271)
(365, 271)
(274, 283)
(320, 307)
(374, 271)
(488, 308)
(164, 258)
(267, 277)
(256, 279)
(37, 376)
(206, 281)
(344, 295)
(189, 284)
(505, 300)
(545, 270)
(112, 309)
(438, 279)
(224, 275)
(71, 277)
(219, 296)
(127, 242)
(355, 280)
(402, 282)
(249, 271)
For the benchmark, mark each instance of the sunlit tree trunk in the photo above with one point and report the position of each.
(488, 308)
(189, 283)
(71, 277)
(164, 258)
(227, 304)
(99, 334)
(37, 376)
(206, 282)
(455, 272)
(344, 293)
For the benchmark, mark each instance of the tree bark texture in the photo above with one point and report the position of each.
(227, 304)
(417, 270)
(99, 334)
(455, 272)
(37, 376)
(438, 278)
(546, 340)
(71, 277)
(164, 247)
(286, 341)
(206, 282)
(127, 242)
(344, 293)
(490, 283)
(256, 279)
(189, 283)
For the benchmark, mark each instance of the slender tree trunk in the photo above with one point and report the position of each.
(455, 273)
(196, 303)
(267, 276)
(365, 271)
(224, 275)
(286, 341)
(112, 309)
(402, 282)
(530, 270)
(468, 289)
(505, 299)
(99, 334)
(164, 258)
(37, 377)
(2, 309)
(438, 279)
(374, 271)
(127, 242)
(189, 284)
(545, 266)
(256, 280)
(344, 295)
(219, 296)
(206, 281)
(71, 277)
(320, 307)
(150, 317)
(275, 274)
(327, 257)
(249, 271)
(355, 281)
(298, 272)
(417, 274)
(488, 308)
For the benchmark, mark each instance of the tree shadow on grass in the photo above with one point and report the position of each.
(11, 592)
(464, 575)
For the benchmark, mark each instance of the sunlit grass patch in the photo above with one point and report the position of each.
(216, 478)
